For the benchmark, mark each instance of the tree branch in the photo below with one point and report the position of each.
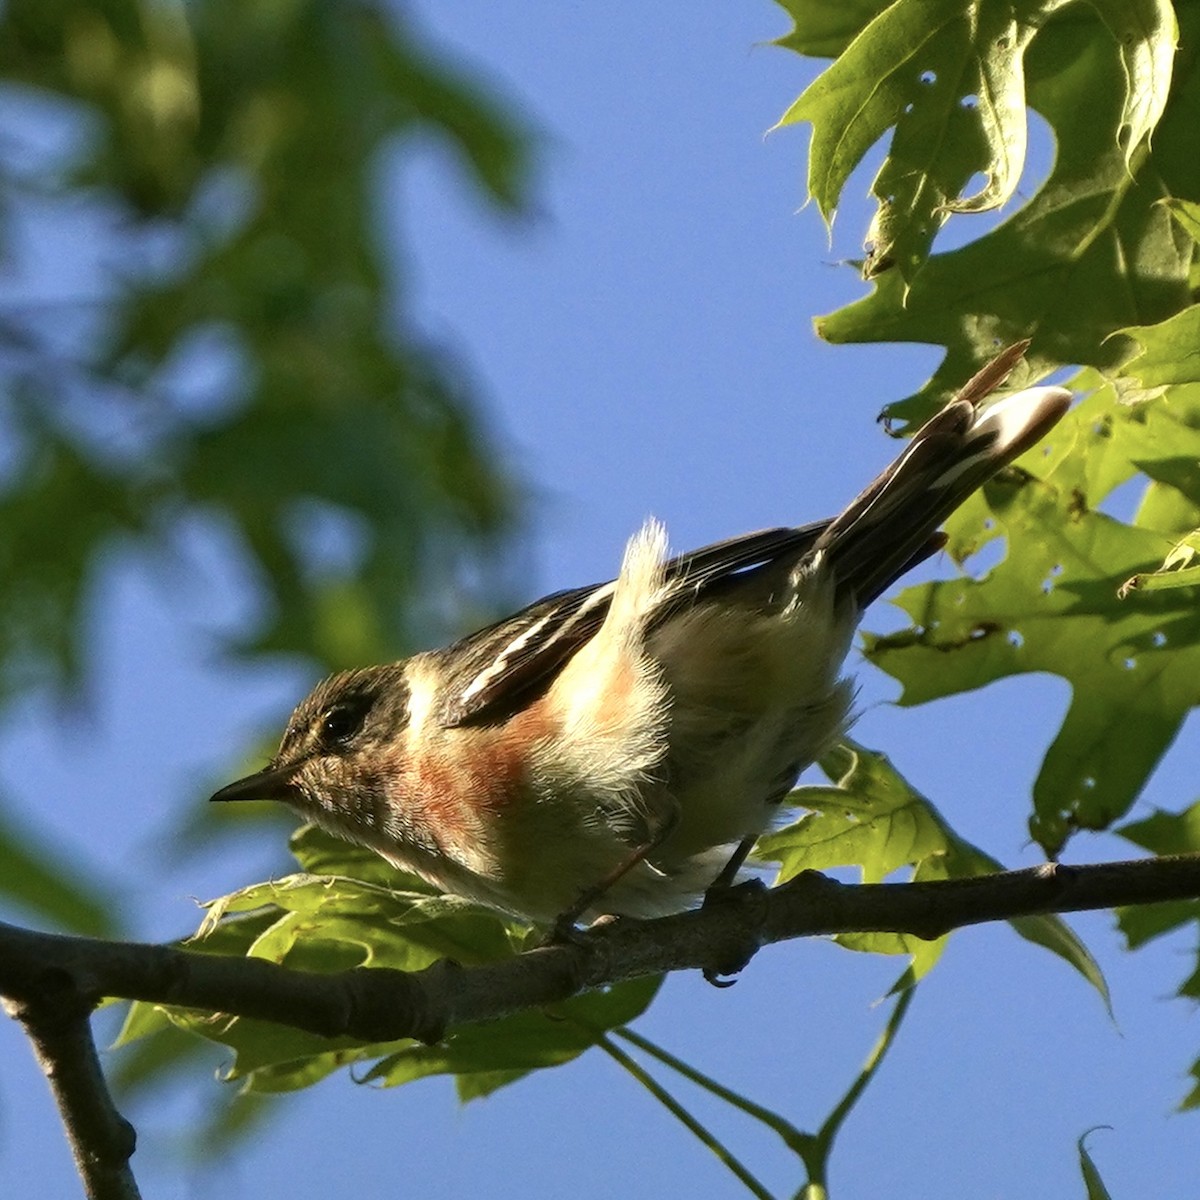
(101, 1140)
(381, 1004)
(50, 982)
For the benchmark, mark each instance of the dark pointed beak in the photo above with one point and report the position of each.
(271, 783)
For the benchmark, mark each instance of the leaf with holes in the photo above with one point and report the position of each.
(948, 79)
(1051, 605)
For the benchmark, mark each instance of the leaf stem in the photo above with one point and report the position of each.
(682, 1115)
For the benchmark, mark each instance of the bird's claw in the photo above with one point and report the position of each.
(722, 976)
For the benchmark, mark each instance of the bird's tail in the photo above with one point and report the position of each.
(893, 524)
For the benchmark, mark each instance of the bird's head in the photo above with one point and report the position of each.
(341, 751)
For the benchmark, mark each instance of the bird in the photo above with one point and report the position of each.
(615, 750)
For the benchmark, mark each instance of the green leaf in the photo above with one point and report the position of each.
(1174, 572)
(1161, 833)
(233, 936)
(484, 1057)
(153, 1048)
(1146, 35)
(1192, 1099)
(320, 853)
(949, 78)
(331, 407)
(332, 923)
(1094, 250)
(1133, 667)
(1145, 922)
(1091, 1176)
(142, 1020)
(823, 29)
(271, 1058)
(361, 912)
(1166, 832)
(1166, 351)
(1187, 214)
(873, 819)
(949, 81)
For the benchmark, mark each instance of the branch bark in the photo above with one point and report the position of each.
(381, 1004)
(101, 1140)
(50, 982)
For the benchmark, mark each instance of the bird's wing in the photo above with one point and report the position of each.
(501, 668)
(889, 528)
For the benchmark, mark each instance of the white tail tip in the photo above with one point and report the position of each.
(1020, 419)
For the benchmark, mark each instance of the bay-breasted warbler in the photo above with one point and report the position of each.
(618, 748)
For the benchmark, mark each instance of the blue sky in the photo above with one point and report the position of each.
(644, 346)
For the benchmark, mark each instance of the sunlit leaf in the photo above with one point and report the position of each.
(823, 29)
(1094, 250)
(949, 79)
(875, 821)
(360, 912)
(1051, 604)
(1176, 570)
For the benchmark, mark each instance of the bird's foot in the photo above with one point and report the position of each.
(743, 946)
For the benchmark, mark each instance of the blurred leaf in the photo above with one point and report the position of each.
(225, 1124)
(232, 152)
(333, 407)
(874, 820)
(44, 581)
(153, 1049)
(35, 878)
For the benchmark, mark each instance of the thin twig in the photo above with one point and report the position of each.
(792, 1137)
(681, 1114)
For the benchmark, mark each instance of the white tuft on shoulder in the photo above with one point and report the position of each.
(641, 578)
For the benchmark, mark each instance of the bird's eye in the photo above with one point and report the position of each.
(343, 721)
